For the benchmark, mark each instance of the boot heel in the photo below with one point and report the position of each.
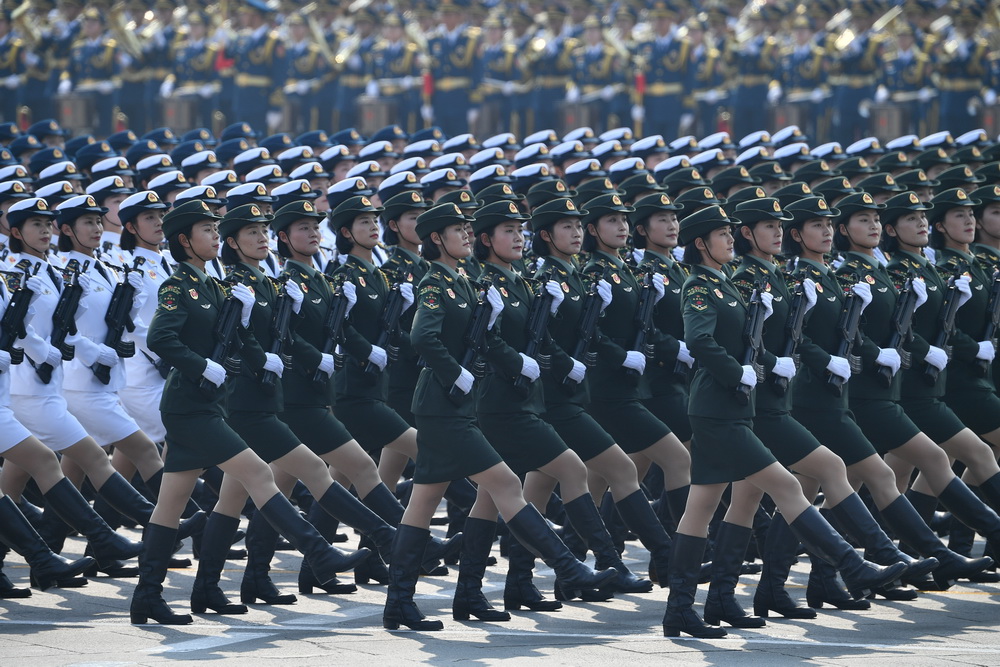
(390, 625)
(199, 608)
(671, 632)
(460, 615)
(305, 589)
(138, 619)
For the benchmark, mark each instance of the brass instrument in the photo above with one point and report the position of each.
(123, 33)
(28, 29)
(317, 33)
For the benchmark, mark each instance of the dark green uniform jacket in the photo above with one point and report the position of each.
(361, 330)
(308, 338)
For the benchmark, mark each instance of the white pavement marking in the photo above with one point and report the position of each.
(205, 643)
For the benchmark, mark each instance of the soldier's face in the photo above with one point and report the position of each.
(911, 229)
(204, 239)
(988, 223)
(364, 231)
(86, 232)
(92, 28)
(717, 247)
(393, 33)
(816, 235)
(454, 241)
(451, 19)
(765, 236)
(506, 242)
(661, 229)
(611, 231)
(958, 226)
(197, 31)
(565, 237)
(299, 32)
(302, 237)
(34, 233)
(251, 241)
(406, 226)
(864, 230)
(148, 228)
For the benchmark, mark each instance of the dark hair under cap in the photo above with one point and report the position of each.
(439, 217)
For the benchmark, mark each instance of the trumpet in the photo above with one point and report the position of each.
(128, 39)
(28, 29)
(317, 33)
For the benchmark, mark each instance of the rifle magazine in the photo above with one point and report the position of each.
(855, 363)
(16, 356)
(233, 365)
(68, 351)
(905, 359)
(125, 349)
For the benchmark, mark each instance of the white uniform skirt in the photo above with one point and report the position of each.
(101, 414)
(48, 419)
(11, 430)
(143, 405)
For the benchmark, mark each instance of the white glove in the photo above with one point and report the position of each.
(920, 289)
(273, 119)
(889, 358)
(840, 367)
(12, 81)
(936, 357)
(245, 296)
(749, 377)
(326, 364)
(508, 88)
(496, 305)
(273, 363)
(881, 94)
(638, 112)
(660, 288)
(105, 87)
(809, 292)
(214, 373)
(294, 292)
(556, 292)
(712, 96)
(31, 58)
(606, 293)
(865, 109)
(83, 280)
(406, 83)
(864, 292)
(106, 356)
(529, 367)
(817, 95)
(64, 87)
(636, 361)
(465, 381)
(371, 89)
(37, 286)
(406, 290)
(427, 112)
(684, 356)
(972, 108)
(351, 294)
(378, 357)
(767, 300)
(608, 93)
(990, 97)
(578, 372)
(687, 120)
(5, 361)
(773, 94)
(54, 357)
(926, 94)
(986, 350)
(784, 367)
(134, 279)
(471, 116)
(962, 284)
(207, 91)
(303, 87)
(355, 62)
(166, 88)
(573, 95)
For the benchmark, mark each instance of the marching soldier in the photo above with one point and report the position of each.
(500, 75)
(802, 75)
(308, 72)
(964, 74)
(94, 69)
(551, 63)
(11, 66)
(853, 66)
(192, 71)
(396, 64)
(355, 57)
(259, 58)
(756, 59)
(455, 69)
(706, 79)
(598, 76)
(57, 46)
(664, 60)
(906, 81)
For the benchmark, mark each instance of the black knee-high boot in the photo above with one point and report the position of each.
(257, 584)
(519, 590)
(682, 578)
(107, 545)
(404, 570)
(966, 506)
(586, 519)
(206, 593)
(825, 588)
(721, 605)
(469, 599)
(7, 589)
(147, 600)
(123, 497)
(638, 516)
(860, 576)
(327, 527)
(47, 568)
(780, 549)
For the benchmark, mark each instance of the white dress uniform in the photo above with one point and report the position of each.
(143, 382)
(41, 407)
(94, 404)
(11, 430)
(111, 251)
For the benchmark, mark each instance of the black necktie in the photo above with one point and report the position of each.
(165, 264)
(54, 277)
(100, 269)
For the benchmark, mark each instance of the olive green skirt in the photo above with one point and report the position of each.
(198, 441)
(265, 434)
(725, 450)
(836, 429)
(933, 417)
(372, 423)
(316, 427)
(672, 410)
(578, 429)
(884, 423)
(524, 441)
(632, 426)
(788, 440)
(451, 448)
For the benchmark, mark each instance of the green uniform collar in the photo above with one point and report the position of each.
(823, 268)
(304, 268)
(195, 271)
(714, 272)
(985, 248)
(568, 266)
(409, 254)
(449, 272)
(768, 267)
(867, 261)
(919, 260)
(506, 273)
(368, 266)
(669, 261)
(618, 262)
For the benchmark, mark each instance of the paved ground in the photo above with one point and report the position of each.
(90, 626)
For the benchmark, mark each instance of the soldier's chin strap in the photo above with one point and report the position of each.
(704, 240)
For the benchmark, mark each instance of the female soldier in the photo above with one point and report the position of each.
(306, 410)
(616, 388)
(38, 405)
(193, 413)
(557, 237)
(724, 449)
(758, 241)
(809, 237)
(453, 447)
(509, 415)
(253, 405)
(875, 404)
